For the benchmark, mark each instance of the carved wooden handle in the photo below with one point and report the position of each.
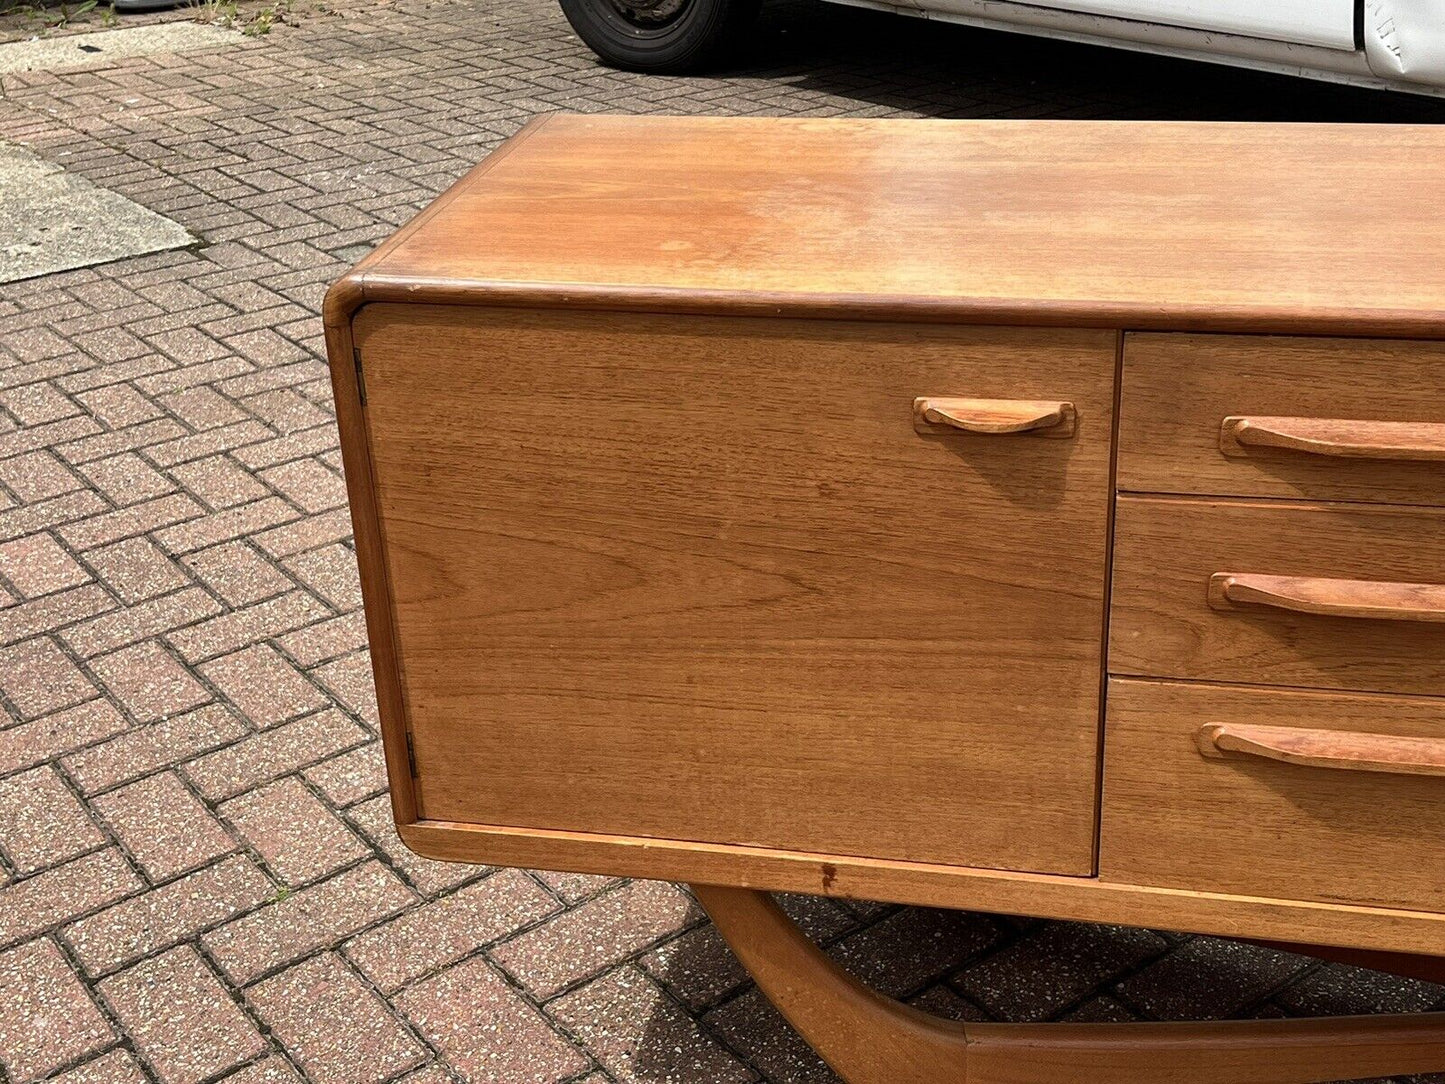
(1335, 437)
(1045, 418)
(1374, 599)
(1343, 749)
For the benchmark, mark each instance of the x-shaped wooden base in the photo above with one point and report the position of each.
(871, 1039)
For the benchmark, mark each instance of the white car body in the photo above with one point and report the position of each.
(1388, 44)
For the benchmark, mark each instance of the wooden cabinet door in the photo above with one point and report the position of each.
(701, 578)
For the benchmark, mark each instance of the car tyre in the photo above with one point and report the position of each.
(661, 36)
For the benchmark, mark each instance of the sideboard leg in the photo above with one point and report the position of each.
(870, 1039)
(866, 1038)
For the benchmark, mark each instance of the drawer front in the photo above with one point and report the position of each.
(703, 579)
(1242, 822)
(1268, 592)
(1332, 419)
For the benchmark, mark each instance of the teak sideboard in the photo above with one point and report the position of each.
(1038, 517)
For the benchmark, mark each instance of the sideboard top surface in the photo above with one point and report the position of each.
(1268, 227)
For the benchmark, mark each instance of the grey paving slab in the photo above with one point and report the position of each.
(52, 220)
(103, 48)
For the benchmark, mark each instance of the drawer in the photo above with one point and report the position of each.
(722, 580)
(1332, 419)
(1324, 596)
(1318, 826)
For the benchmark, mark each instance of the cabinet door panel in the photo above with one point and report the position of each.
(709, 578)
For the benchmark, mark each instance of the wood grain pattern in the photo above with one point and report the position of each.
(870, 1039)
(1167, 550)
(1337, 438)
(1263, 227)
(638, 591)
(1083, 899)
(376, 593)
(664, 589)
(1342, 750)
(998, 416)
(1180, 389)
(1365, 600)
(1175, 818)
(1297, 1051)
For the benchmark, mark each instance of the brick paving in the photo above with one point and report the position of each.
(198, 875)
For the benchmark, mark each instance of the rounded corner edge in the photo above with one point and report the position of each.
(345, 296)
(420, 840)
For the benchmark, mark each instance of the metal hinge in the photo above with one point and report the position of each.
(360, 377)
(411, 754)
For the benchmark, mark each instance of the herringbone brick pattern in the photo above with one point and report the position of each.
(200, 880)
